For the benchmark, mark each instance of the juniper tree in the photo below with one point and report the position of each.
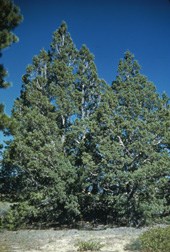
(44, 176)
(76, 90)
(84, 149)
(133, 144)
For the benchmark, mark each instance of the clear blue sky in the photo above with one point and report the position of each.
(107, 27)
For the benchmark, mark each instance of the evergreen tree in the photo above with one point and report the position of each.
(10, 17)
(84, 149)
(35, 157)
(76, 91)
(53, 130)
(134, 147)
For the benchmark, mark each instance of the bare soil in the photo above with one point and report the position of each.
(113, 239)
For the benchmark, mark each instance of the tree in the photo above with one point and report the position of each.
(50, 110)
(76, 92)
(35, 158)
(10, 18)
(82, 149)
(133, 144)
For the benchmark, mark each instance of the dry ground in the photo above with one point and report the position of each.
(113, 239)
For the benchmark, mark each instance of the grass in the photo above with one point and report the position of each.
(89, 245)
(4, 247)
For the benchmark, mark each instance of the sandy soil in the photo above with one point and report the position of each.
(113, 239)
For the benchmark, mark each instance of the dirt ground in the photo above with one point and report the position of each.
(113, 239)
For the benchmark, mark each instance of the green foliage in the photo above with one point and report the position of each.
(156, 240)
(9, 19)
(18, 215)
(4, 208)
(37, 154)
(128, 162)
(89, 245)
(84, 150)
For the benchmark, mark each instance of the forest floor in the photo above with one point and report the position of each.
(112, 239)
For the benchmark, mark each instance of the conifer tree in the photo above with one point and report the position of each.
(61, 91)
(133, 145)
(45, 177)
(10, 17)
(84, 149)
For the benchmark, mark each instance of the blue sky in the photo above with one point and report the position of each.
(107, 27)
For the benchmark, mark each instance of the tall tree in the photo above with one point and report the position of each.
(45, 177)
(132, 138)
(10, 17)
(50, 110)
(84, 149)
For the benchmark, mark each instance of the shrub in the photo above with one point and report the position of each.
(19, 216)
(4, 209)
(88, 245)
(154, 240)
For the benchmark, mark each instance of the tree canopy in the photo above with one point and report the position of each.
(10, 17)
